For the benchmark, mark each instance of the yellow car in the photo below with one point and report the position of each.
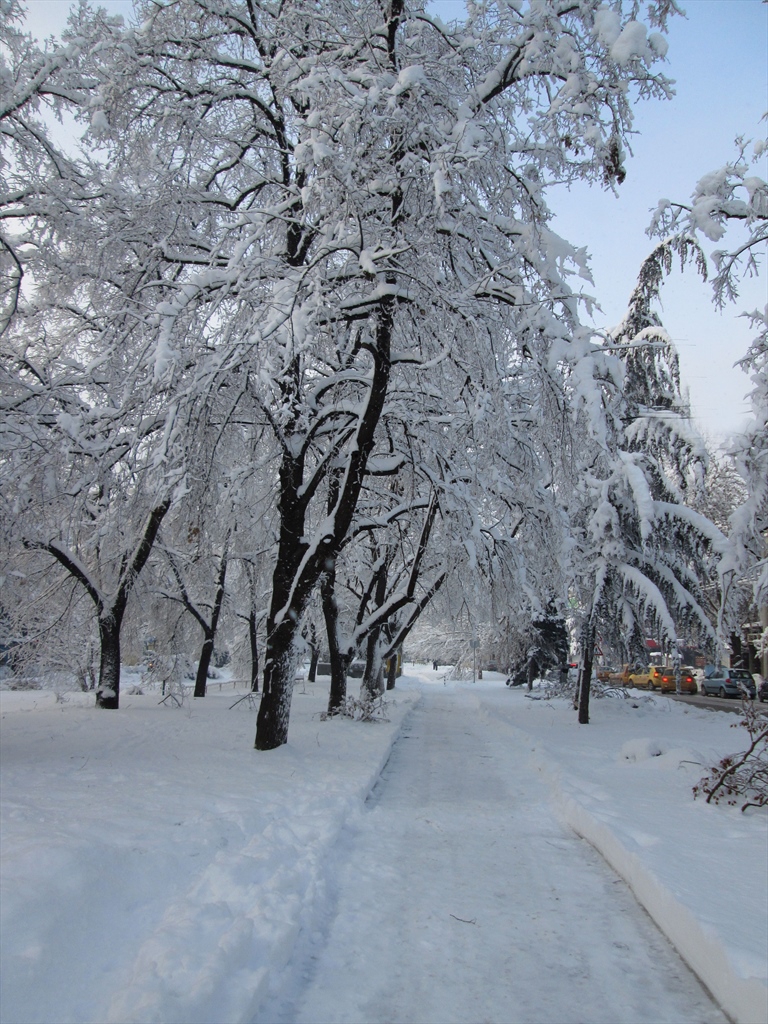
(647, 679)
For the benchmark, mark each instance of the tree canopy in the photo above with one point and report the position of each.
(299, 260)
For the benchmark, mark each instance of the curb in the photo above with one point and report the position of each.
(744, 1000)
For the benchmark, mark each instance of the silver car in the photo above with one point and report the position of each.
(728, 682)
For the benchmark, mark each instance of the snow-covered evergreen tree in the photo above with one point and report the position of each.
(736, 195)
(642, 554)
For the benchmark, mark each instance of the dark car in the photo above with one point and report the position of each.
(762, 693)
(728, 682)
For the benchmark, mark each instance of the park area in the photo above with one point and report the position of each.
(476, 856)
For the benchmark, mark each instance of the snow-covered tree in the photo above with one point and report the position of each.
(643, 554)
(205, 610)
(324, 213)
(722, 491)
(549, 643)
(395, 581)
(89, 464)
(84, 482)
(735, 195)
(37, 176)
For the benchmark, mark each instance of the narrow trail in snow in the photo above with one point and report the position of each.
(459, 897)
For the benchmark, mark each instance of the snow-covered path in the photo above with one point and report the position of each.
(458, 896)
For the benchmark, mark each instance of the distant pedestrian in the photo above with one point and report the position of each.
(434, 666)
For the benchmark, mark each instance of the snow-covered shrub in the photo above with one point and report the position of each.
(461, 671)
(169, 673)
(559, 686)
(742, 775)
(12, 682)
(361, 709)
(608, 690)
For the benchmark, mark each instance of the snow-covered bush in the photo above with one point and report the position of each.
(566, 686)
(361, 709)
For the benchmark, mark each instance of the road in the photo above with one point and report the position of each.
(459, 897)
(715, 703)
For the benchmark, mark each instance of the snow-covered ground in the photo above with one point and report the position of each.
(157, 868)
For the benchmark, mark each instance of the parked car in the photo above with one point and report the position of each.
(615, 676)
(687, 681)
(728, 682)
(355, 669)
(621, 676)
(762, 693)
(646, 678)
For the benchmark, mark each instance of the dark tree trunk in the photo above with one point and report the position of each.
(129, 574)
(392, 671)
(393, 620)
(275, 706)
(373, 683)
(289, 597)
(108, 689)
(339, 659)
(201, 679)
(312, 674)
(588, 653)
(253, 638)
(295, 575)
(111, 619)
(339, 663)
(209, 631)
(315, 655)
(338, 690)
(398, 634)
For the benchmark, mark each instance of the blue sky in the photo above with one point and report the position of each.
(718, 56)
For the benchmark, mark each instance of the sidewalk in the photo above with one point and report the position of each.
(458, 896)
